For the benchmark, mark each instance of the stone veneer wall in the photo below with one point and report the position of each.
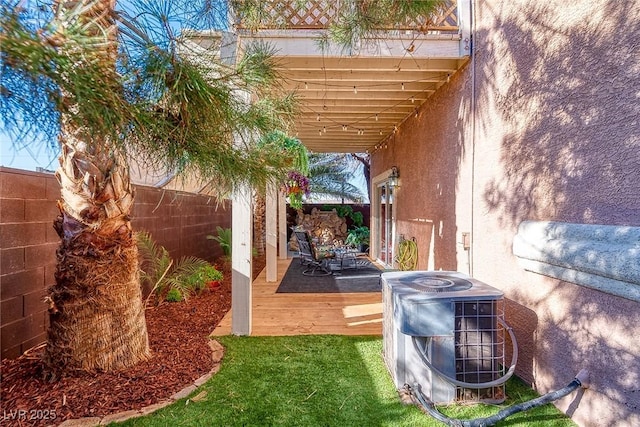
(178, 221)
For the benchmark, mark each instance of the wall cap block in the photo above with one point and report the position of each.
(601, 257)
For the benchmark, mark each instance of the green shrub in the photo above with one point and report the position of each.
(212, 273)
(358, 236)
(193, 276)
(358, 218)
(174, 295)
(200, 278)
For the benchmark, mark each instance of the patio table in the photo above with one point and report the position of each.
(345, 257)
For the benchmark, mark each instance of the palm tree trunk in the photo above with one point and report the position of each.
(259, 224)
(96, 312)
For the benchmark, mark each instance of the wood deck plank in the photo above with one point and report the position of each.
(304, 314)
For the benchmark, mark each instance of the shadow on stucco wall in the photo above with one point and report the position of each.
(562, 82)
(591, 332)
(568, 100)
(430, 147)
(526, 337)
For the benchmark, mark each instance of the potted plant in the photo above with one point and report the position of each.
(358, 237)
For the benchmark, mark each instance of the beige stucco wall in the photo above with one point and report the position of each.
(553, 134)
(434, 200)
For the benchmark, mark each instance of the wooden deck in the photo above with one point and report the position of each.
(305, 314)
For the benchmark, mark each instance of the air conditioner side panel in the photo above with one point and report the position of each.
(442, 356)
(389, 332)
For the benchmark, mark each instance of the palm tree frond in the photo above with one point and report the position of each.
(330, 174)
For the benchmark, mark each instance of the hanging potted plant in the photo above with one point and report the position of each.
(296, 186)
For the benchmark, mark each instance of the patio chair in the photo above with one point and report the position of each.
(315, 260)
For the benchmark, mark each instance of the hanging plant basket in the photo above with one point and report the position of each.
(295, 190)
(295, 187)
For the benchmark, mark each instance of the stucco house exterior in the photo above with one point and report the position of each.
(519, 166)
(542, 124)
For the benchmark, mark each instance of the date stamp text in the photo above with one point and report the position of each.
(28, 414)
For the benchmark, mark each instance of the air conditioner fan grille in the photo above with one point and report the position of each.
(435, 283)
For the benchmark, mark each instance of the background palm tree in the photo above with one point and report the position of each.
(364, 159)
(112, 87)
(331, 175)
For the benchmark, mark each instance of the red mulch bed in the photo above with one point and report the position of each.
(178, 338)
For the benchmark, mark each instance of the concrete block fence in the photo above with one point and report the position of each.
(178, 221)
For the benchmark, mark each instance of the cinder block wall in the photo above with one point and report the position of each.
(181, 221)
(28, 244)
(178, 221)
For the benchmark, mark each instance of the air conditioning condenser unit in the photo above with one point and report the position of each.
(444, 331)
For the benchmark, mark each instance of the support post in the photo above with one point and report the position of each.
(283, 243)
(464, 23)
(241, 276)
(271, 213)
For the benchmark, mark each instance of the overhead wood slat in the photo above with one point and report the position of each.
(393, 75)
(391, 88)
(375, 106)
(389, 77)
(404, 63)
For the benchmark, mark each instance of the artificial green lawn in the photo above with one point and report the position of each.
(317, 380)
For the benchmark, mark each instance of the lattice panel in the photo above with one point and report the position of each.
(320, 13)
(447, 20)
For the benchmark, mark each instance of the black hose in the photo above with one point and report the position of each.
(427, 405)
